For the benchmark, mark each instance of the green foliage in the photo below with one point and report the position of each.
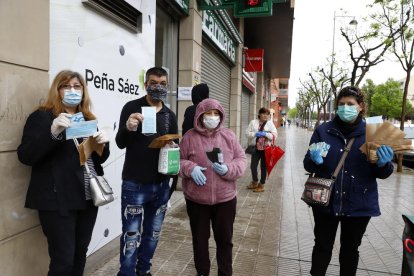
(387, 100)
(293, 113)
(369, 89)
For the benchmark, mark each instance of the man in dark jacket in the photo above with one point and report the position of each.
(145, 192)
(198, 93)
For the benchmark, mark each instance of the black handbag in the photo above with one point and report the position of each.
(250, 149)
(318, 190)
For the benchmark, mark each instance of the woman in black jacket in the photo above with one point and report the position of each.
(354, 198)
(59, 187)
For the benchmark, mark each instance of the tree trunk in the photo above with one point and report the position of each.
(403, 111)
(399, 162)
(318, 118)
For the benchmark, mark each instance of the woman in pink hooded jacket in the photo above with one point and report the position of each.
(212, 160)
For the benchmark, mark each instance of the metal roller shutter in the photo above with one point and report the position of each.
(216, 72)
(245, 104)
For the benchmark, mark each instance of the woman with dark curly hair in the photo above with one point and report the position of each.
(354, 198)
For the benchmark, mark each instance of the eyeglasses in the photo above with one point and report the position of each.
(68, 86)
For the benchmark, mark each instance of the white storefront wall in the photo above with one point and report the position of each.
(84, 40)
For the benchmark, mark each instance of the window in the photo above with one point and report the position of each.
(166, 52)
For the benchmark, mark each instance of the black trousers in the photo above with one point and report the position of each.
(68, 239)
(352, 231)
(258, 155)
(222, 217)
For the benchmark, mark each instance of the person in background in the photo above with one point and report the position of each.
(261, 132)
(210, 187)
(354, 197)
(145, 192)
(198, 93)
(59, 187)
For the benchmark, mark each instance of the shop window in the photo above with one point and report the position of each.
(166, 52)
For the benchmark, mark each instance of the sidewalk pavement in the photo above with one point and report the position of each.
(273, 231)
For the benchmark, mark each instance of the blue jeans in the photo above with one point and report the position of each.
(143, 211)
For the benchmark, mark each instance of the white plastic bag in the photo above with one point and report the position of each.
(169, 159)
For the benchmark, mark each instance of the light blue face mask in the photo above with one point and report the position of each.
(347, 113)
(72, 97)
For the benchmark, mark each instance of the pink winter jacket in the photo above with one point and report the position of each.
(193, 147)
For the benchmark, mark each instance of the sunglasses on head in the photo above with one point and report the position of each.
(352, 91)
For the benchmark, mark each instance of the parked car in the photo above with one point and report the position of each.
(408, 156)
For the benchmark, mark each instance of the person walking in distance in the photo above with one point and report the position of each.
(260, 132)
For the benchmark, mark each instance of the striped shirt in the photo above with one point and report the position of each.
(91, 166)
(86, 177)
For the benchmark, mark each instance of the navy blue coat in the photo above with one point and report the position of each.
(355, 192)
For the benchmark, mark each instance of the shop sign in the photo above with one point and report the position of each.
(218, 34)
(241, 8)
(183, 4)
(253, 60)
(253, 8)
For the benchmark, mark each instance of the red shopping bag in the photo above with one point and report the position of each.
(272, 154)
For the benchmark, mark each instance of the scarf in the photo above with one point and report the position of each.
(347, 128)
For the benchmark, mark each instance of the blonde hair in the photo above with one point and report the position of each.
(54, 102)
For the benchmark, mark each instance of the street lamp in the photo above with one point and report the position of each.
(353, 22)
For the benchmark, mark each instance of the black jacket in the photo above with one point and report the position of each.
(141, 162)
(198, 93)
(355, 191)
(57, 181)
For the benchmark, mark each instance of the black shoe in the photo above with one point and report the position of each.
(145, 274)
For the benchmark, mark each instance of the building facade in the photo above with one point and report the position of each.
(112, 47)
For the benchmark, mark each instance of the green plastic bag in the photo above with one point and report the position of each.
(169, 160)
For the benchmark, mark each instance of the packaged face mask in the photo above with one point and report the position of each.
(81, 129)
(76, 118)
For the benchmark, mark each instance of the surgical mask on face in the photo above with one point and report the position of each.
(347, 113)
(211, 122)
(157, 92)
(72, 97)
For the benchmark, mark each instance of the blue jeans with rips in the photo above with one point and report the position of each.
(143, 209)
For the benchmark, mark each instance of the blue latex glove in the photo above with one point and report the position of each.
(385, 155)
(220, 169)
(260, 134)
(316, 156)
(198, 175)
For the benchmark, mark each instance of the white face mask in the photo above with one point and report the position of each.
(211, 122)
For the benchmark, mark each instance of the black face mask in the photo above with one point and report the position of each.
(157, 92)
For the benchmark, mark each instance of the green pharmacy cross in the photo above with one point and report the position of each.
(242, 8)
